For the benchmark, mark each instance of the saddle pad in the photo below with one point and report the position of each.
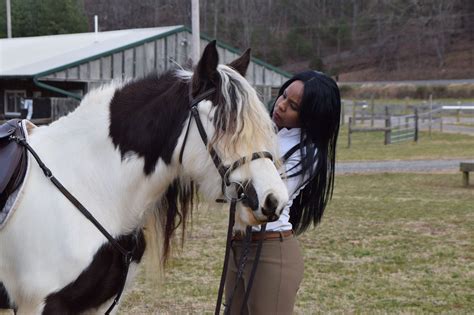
(13, 199)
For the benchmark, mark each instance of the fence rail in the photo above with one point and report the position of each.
(406, 119)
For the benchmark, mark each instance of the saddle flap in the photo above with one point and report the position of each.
(10, 152)
(9, 128)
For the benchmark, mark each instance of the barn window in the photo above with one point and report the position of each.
(13, 101)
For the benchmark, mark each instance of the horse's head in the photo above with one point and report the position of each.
(237, 126)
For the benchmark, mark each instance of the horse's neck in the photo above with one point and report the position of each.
(80, 153)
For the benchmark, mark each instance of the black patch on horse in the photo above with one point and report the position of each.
(4, 300)
(99, 282)
(147, 116)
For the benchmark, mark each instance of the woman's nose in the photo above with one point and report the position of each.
(282, 106)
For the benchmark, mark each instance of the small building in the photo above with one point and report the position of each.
(56, 71)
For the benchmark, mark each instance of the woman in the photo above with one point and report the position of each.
(307, 113)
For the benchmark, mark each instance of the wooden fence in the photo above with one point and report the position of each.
(405, 128)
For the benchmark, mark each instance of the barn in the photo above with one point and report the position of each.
(53, 72)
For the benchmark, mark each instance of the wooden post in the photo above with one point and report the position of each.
(465, 179)
(465, 168)
(458, 113)
(423, 109)
(354, 113)
(363, 115)
(431, 115)
(372, 110)
(416, 125)
(441, 121)
(343, 118)
(388, 125)
(349, 131)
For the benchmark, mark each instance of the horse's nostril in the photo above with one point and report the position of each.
(270, 205)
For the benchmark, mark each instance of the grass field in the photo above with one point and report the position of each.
(389, 243)
(369, 146)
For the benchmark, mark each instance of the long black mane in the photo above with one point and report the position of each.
(147, 116)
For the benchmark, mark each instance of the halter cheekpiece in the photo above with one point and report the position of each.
(224, 171)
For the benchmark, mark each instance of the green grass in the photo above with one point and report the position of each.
(368, 146)
(389, 243)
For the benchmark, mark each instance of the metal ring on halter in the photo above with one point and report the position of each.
(239, 191)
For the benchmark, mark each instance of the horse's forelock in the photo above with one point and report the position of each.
(241, 120)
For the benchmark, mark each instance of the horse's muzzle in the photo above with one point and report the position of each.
(270, 207)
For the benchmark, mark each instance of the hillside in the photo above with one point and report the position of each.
(365, 64)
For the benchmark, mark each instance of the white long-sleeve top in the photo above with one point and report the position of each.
(287, 139)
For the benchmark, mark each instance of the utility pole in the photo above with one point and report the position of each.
(195, 29)
(9, 20)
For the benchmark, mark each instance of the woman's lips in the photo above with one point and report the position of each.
(276, 117)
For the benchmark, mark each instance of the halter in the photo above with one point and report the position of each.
(224, 172)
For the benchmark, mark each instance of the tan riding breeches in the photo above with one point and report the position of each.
(278, 277)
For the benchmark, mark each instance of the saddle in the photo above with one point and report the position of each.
(13, 159)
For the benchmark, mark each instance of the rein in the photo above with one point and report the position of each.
(127, 254)
(225, 172)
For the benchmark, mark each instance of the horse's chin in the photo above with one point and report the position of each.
(244, 216)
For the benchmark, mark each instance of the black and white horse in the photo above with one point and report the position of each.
(119, 154)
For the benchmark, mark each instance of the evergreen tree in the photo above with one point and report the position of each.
(45, 17)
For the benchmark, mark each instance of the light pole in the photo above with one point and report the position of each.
(195, 29)
(9, 20)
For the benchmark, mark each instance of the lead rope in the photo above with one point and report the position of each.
(254, 267)
(226, 257)
(242, 262)
(241, 268)
(127, 255)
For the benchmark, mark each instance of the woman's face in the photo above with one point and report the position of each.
(286, 113)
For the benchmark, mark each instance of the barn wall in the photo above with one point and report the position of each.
(159, 55)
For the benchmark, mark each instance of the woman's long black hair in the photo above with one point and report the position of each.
(320, 111)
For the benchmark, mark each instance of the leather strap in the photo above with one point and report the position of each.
(270, 235)
(230, 226)
(254, 270)
(127, 255)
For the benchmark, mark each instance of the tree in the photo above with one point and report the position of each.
(45, 17)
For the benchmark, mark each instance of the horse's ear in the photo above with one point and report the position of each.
(242, 63)
(206, 69)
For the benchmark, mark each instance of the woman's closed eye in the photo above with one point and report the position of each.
(293, 105)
